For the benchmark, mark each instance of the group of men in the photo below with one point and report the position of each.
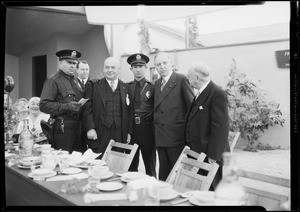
(177, 110)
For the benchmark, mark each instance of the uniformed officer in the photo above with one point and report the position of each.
(59, 98)
(142, 93)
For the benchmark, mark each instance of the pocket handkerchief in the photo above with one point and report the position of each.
(200, 108)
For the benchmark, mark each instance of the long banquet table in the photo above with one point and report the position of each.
(22, 190)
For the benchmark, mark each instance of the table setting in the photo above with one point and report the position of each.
(84, 180)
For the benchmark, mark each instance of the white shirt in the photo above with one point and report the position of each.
(115, 83)
(84, 80)
(198, 92)
(168, 77)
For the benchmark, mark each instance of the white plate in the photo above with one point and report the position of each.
(28, 161)
(107, 175)
(125, 180)
(173, 194)
(109, 186)
(87, 165)
(24, 167)
(71, 170)
(202, 198)
(133, 175)
(50, 174)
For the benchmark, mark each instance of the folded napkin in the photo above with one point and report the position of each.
(142, 182)
(89, 155)
(68, 177)
(91, 198)
(78, 157)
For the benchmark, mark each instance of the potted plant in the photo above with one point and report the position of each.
(250, 113)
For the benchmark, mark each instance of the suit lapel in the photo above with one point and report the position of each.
(122, 91)
(167, 89)
(102, 90)
(201, 99)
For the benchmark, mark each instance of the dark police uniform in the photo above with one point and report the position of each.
(142, 118)
(58, 91)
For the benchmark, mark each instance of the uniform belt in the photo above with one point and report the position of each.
(71, 116)
(142, 120)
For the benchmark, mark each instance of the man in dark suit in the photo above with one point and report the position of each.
(173, 96)
(106, 114)
(142, 114)
(83, 72)
(207, 122)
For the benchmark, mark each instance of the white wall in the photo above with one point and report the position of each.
(49, 48)
(91, 45)
(157, 38)
(12, 69)
(94, 50)
(257, 61)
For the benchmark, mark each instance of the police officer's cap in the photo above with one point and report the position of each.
(137, 59)
(68, 54)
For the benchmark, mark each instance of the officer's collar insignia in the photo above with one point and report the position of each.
(138, 57)
(73, 54)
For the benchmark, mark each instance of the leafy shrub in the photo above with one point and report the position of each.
(250, 113)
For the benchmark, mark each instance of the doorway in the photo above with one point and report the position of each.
(39, 74)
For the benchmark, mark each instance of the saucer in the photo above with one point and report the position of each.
(71, 170)
(109, 186)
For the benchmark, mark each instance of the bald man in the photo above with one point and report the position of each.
(207, 122)
(106, 114)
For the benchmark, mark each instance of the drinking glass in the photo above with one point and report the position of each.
(63, 162)
(93, 179)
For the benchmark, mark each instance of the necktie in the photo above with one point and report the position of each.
(163, 82)
(112, 85)
(82, 84)
(137, 95)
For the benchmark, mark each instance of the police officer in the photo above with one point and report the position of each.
(59, 98)
(142, 93)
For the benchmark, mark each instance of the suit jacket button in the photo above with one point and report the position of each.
(162, 124)
(162, 111)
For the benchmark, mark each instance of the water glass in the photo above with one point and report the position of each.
(63, 162)
(93, 179)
